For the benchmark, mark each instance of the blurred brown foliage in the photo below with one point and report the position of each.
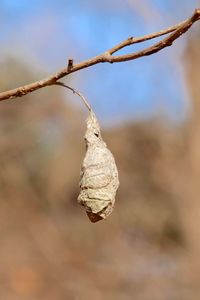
(147, 249)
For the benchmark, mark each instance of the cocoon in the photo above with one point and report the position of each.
(99, 176)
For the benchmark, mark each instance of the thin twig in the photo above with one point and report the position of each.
(130, 41)
(176, 31)
(77, 93)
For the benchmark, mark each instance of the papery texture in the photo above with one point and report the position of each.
(99, 175)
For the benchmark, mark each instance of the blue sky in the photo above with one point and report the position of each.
(49, 32)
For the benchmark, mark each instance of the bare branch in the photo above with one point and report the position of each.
(144, 38)
(176, 31)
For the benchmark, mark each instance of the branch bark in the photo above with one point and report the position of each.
(107, 57)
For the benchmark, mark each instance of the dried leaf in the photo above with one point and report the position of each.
(99, 177)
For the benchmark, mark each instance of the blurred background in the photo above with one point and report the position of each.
(149, 112)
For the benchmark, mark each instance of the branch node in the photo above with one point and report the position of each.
(22, 92)
(70, 64)
(107, 57)
(197, 12)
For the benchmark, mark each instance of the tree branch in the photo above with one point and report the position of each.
(175, 32)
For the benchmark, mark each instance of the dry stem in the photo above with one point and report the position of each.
(175, 32)
(77, 93)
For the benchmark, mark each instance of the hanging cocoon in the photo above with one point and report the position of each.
(99, 176)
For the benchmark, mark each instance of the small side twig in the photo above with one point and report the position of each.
(75, 92)
(107, 57)
(70, 64)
